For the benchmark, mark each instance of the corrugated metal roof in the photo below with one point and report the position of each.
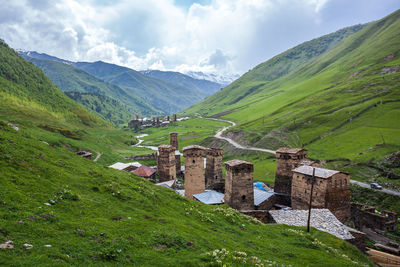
(261, 195)
(121, 165)
(210, 197)
(319, 172)
(168, 184)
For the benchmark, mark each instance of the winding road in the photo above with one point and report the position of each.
(235, 144)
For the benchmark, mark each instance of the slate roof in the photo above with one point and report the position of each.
(321, 219)
(194, 147)
(210, 197)
(144, 171)
(289, 150)
(319, 172)
(237, 162)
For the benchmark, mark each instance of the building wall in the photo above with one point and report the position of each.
(301, 190)
(194, 171)
(166, 163)
(213, 176)
(286, 162)
(338, 196)
(239, 192)
(332, 193)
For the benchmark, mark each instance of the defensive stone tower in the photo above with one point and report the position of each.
(167, 118)
(173, 140)
(174, 117)
(137, 117)
(239, 191)
(287, 160)
(166, 163)
(194, 170)
(214, 169)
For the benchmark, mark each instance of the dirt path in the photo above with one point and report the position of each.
(235, 144)
(98, 156)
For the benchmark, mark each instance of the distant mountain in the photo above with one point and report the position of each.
(208, 87)
(34, 54)
(72, 79)
(166, 96)
(220, 79)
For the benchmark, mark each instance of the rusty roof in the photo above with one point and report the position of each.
(319, 172)
(144, 171)
(289, 150)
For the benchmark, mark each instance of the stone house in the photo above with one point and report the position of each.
(331, 190)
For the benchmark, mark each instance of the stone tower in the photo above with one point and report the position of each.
(194, 170)
(214, 169)
(166, 163)
(174, 117)
(173, 140)
(287, 160)
(239, 191)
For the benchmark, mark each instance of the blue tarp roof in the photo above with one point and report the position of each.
(259, 185)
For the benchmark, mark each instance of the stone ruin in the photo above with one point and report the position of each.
(365, 216)
(166, 163)
(239, 189)
(194, 170)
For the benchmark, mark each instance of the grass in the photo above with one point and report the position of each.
(337, 103)
(144, 224)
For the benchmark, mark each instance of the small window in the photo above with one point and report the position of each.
(193, 161)
(243, 198)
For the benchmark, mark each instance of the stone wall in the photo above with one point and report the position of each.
(152, 156)
(166, 163)
(365, 216)
(214, 179)
(261, 215)
(332, 193)
(194, 170)
(287, 160)
(239, 191)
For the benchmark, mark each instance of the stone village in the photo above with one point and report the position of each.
(297, 181)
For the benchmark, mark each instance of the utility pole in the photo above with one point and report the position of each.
(309, 206)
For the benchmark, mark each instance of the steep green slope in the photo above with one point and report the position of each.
(166, 96)
(339, 104)
(25, 89)
(107, 108)
(71, 79)
(57, 208)
(73, 211)
(205, 86)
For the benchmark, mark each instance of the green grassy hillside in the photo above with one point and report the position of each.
(71, 79)
(166, 96)
(57, 208)
(343, 103)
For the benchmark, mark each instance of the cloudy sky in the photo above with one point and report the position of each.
(223, 36)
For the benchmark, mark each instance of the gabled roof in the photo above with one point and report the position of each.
(319, 172)
(210, 197)
(144, 171)
(261, 195)
(121, 165)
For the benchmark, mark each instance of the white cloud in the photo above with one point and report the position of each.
(224, 36)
